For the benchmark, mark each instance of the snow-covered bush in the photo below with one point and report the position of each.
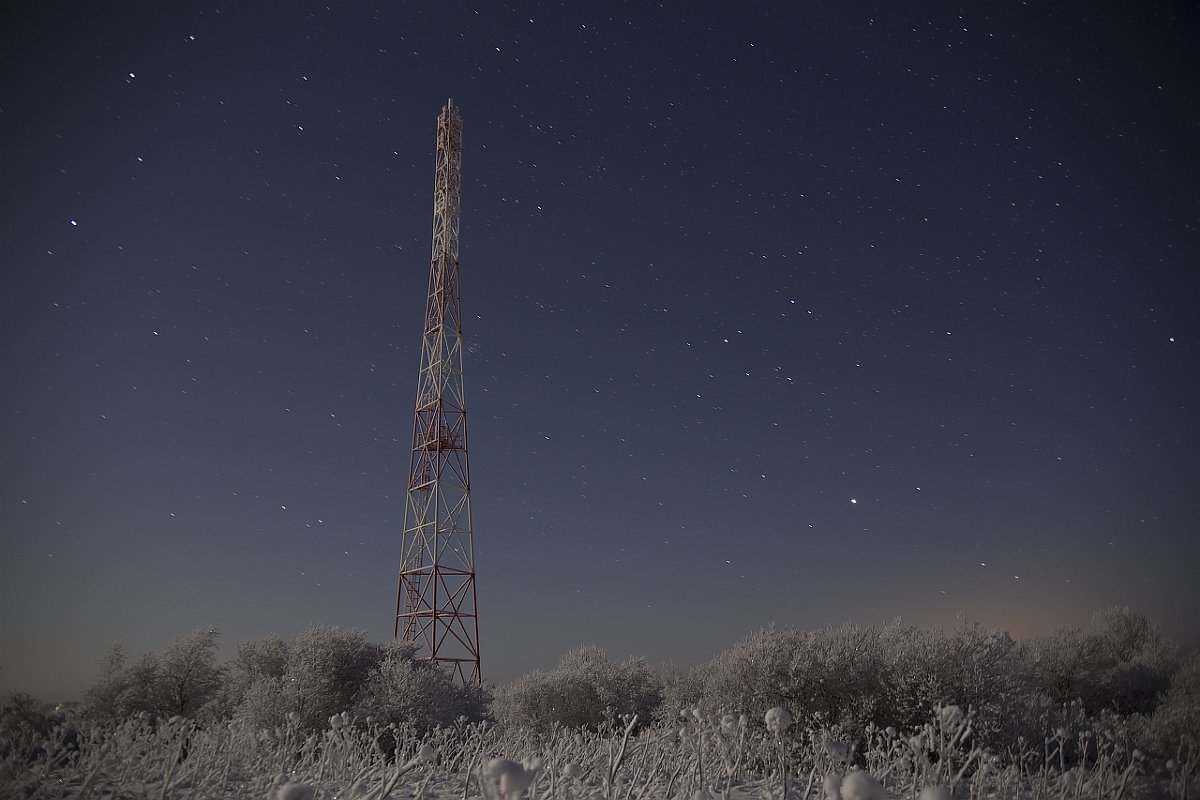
(1136, 660)
(1122, 663)
(754, 675)
(704, 754)
(323, 672)
(680, 689)
(968, 666)
(402, 689)
(840, 672)
(24, 723)
(630, 687)
(1174, 728)
(586, 690)
(540, 700)
(319, 711)
(850, 675)
(103, 699)
(253, 682)
(177, 681)
(847, 675)
(254, 660)
(187, 674)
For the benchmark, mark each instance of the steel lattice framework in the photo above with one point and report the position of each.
(435, 601)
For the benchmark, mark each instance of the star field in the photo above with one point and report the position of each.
(797, 314)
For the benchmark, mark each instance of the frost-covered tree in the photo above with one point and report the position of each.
(630, 687)
(324, 669)
(253, 660)
(836, 672)
(986, 672)
(967, 666)
(1122, 663)
(1063, 664)
(178, 680)
(123, 688)
(833, 672)
(680, 689)
(917, 674)
(584, 691)
(852, 675)
(24, 724)
(187, 675)
(1136, 660)
(1175, 726)
(103, 699)
(255, 666)
(403, 689)
(751, 676)
(540, 700)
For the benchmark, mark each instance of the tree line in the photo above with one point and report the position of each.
(1120, 672)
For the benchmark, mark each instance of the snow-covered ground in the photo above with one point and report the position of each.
(705, 756)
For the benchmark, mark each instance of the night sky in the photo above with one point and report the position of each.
(801, 313)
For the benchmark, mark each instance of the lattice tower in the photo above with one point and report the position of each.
(435, 600)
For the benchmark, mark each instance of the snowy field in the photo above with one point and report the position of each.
(270, 724)
(704, 756)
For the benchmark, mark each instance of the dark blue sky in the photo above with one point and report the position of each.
(804, 313)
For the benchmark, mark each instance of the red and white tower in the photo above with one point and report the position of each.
(435, 601)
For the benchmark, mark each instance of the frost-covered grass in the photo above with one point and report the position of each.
(706, 755)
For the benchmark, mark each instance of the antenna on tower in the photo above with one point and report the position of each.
(435, 600)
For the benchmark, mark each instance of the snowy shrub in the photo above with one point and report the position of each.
(22, 712)
(713, 755)
(254, 682)
(752, 676)
(187, 675)
(850, 676)
(1136, 660)
(1122, 663)
(271, 683)
(1060, 664)
(967, 666)
(679, 689)
(630, 687)
(402, 689)
(586, 690)
(122, 689)
(262, 705)
(924, 669)
(836, 673)
(1174, 728)
(24, 723)
(540, 700)
(324, 670)
(178, 681)
(255, 660)
(923, 713)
